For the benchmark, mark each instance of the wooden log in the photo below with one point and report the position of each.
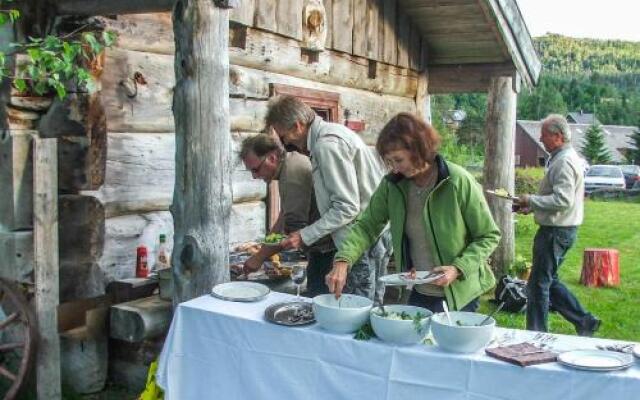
(133, 106)
(45, 213)
(372, 24)
(423, 99)
(111, 7)
(266, 15)
(360, 28)
(244, 13)
(328, 9)
(16, 180)
(403, 36)
(79, 121)
(464, 78)
(16, 252)
(202, 198)
(390, 47)
(343, 25)
(81, 224)
(289, 17)
(150, 33)
(600, 267)
(141, 174)
(138, 320)
(499, 168)
(375, 110)
(147, 112)
(268, 52)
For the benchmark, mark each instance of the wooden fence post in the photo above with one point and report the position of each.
(45, 243)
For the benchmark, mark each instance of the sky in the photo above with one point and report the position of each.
(609, 19)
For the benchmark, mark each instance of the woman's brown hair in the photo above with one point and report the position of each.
(407, 132)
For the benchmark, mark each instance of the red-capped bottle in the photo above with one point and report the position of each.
(142, 265)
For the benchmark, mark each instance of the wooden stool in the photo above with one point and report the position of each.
(600, 268)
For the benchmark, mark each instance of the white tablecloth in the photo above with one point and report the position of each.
(224, 350)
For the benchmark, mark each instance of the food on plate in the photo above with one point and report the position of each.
(401, 315)
(248, 247)
(502, 192)
(411, 275)
(278, 271)
(274, 238)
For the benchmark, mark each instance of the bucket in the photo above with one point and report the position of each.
(165, 277)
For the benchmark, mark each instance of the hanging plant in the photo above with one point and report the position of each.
(53, 63)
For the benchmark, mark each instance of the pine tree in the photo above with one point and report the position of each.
(595, 149)
(634, 153)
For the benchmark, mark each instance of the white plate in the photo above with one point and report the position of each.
(403, 280)
(636, 350)
(596, 360)
(240, 291)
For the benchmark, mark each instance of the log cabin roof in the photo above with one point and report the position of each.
(466, 41)
(459, 32)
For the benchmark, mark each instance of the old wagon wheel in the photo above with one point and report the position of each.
(17, 339)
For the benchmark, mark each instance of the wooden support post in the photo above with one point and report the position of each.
(499, 168)
(202, 195)
(423, 99)
(45, 224)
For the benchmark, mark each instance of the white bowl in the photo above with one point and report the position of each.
(464, 336)
(346, 315)
(400, 331)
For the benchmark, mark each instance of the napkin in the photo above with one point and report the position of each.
(522, 354)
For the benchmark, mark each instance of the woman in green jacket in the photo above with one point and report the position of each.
(438, 216)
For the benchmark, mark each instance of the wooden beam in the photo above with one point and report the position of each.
(466, 77)
(202, 195)
(111, 7)
(45, 213)
(528, 66)
(16, 176)
(499, 169)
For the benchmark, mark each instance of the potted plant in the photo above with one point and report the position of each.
(521, 268)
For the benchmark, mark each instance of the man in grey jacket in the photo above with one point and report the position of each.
(558, 209)
(345, 173)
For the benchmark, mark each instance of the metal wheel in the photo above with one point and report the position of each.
(17, 339)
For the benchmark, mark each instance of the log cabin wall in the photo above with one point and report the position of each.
(120, 155)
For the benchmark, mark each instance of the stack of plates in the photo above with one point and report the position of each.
(596, 360)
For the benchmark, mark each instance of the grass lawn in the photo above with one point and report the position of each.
(613, 224)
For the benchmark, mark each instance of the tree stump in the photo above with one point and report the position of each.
(600, 268)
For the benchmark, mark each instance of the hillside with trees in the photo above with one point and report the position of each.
(595, 76)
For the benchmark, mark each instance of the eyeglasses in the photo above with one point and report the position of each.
(256, 169)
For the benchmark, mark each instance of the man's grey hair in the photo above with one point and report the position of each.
(285, 111)
(556, 123)
(261, 145)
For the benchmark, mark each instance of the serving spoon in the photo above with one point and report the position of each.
(492, 314)
(446, 311)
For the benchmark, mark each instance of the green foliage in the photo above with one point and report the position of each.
(595, 149)
(54, 62)
(633, 156)
(596, 76)
(520, 265)
(527, 180)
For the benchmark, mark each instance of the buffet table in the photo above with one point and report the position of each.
(225, 350)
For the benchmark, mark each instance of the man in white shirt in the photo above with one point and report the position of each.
(559, 209)
(345, 174)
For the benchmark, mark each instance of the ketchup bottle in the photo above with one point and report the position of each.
(142, 266)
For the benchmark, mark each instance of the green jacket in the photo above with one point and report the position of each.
(458, 224)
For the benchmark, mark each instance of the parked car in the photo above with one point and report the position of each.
(631, 174)
(603, 177)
